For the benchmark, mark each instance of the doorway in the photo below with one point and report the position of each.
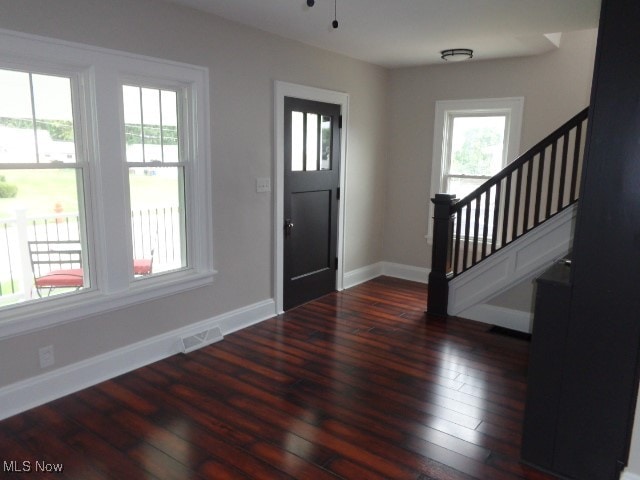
(311, 198)
(315, 271)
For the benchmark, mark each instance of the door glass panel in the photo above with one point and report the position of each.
(312, 142)
(325, 146)
(297, 141)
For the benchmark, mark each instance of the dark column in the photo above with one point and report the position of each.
(438, 293)
(601, 350)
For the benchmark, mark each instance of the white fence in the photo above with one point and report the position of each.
(157, 234)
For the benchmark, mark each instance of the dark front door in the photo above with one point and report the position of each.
(311, 194)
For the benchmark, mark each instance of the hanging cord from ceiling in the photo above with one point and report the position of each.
(334, 24)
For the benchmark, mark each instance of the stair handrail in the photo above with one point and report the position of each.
(457, 247)
(525, 157)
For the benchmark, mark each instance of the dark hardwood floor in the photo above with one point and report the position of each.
(355, 385)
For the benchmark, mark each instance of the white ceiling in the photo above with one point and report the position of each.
(396, 33)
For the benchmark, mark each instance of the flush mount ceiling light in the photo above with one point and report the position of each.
(334, 24)
(456, 54)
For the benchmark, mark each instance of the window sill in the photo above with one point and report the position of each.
(23, 318)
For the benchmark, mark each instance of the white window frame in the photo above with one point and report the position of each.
(186, 140)
(99, 74)
(511, 107)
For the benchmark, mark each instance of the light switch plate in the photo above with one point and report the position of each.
(263, 184)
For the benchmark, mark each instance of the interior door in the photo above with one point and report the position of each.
(311, 195)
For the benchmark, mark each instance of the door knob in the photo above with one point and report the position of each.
(288, 226)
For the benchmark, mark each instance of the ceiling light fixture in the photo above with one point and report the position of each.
(334, 24)
(456, 54)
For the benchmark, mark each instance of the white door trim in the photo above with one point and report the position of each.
(281, 90)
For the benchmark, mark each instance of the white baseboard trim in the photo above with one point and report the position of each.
(397, 270)
(500, 316)
(24, 395)
(627, 475)
(361, 275)
(406, 272)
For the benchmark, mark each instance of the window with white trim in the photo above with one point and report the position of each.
(473, 140)
(155, 155)
(43, 173)
(104, 180)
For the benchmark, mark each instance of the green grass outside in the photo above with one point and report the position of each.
(39, 191)
(6, 290)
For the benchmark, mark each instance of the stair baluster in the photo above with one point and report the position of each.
(497, 213)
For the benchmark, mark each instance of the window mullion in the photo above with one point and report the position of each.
(111, 203)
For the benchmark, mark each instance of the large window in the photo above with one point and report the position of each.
(473, 140)
(155, 159)
(42, 185)
(104, 180)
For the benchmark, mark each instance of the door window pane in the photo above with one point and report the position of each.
(311, 136)
(312, 142)
(297, 141)
(325, 147)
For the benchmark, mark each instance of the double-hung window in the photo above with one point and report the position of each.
(155, 150)
(473, 141)
(104, 180)
(43, 182)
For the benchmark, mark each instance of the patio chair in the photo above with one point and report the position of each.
(56, 264)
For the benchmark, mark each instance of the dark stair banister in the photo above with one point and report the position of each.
(537, 185)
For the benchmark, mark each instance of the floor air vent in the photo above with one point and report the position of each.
(199, 340)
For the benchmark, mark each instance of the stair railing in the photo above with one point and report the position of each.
(539, 184)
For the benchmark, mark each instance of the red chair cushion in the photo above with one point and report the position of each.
(141, 266)
(72, 278)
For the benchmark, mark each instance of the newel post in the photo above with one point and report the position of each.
(441, 254)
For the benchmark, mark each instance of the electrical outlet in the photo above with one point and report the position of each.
(46, 356)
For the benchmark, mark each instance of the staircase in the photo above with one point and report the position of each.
(511, 227)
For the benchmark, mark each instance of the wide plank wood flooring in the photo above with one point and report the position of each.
(355, 385)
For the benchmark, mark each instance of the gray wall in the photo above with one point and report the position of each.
(243, 65)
